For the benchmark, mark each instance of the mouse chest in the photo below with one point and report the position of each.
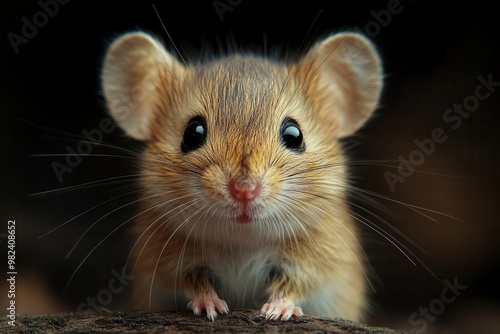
(242, 278)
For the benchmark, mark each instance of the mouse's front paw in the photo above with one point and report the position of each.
(280, 309)
(211, 303)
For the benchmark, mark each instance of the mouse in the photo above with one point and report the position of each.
(243, 179)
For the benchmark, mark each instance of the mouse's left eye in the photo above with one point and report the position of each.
(291, 136)
(195, 135)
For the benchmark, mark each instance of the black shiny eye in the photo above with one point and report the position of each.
(195, 135)
(291, 136)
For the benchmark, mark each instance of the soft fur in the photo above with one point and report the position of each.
(301, 248)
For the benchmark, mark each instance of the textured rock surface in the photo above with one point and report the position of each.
(242, 321)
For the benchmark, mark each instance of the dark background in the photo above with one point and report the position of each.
(433, 54)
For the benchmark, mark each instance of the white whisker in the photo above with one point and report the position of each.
(409, 206)
(84, 212)
(105, 238)
(186, 220)
(87, 184)
(104, 216)
(185, 205)
(355, 257)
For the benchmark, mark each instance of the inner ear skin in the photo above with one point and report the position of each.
(135, 66)
(344, 81)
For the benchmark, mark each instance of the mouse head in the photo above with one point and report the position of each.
(242, 144)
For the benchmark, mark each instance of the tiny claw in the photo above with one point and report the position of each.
(211, 304)
(264, 309)
(287, 315)
(276, 310)
(211, 313)
(196, 309)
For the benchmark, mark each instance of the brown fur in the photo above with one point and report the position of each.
(303, 244)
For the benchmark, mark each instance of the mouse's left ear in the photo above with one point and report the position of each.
(343, 78)
(137, 74)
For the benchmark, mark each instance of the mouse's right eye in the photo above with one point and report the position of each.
(195, 135)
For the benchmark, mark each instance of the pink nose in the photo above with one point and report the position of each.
(243, 190)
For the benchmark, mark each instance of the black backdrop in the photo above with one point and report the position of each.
(433, 55)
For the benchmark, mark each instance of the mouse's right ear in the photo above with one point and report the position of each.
(342, 76)
(134, 70)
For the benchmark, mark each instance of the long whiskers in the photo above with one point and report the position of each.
(288, 202)
(355, 257)
(102, 182)
(358, 192)
(180, 261)
(415, 208)
(387, 236)
(386, 164)
(84, 212)
(186, 220)
(106, 237)
(184, 206)
(107, 214)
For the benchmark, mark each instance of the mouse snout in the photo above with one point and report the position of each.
(244, 190)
